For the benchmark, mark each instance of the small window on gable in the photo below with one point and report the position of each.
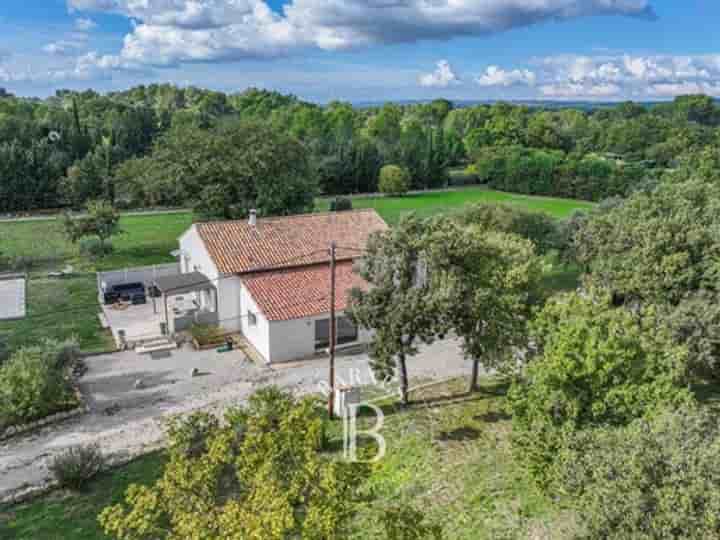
(252, 318)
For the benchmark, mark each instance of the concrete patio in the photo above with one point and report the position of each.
(139, 322)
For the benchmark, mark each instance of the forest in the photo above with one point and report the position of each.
(163, 145)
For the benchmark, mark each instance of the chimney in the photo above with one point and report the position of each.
(253, 218)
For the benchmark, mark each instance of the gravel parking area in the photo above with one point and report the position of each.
(142, 385)
(127, 419)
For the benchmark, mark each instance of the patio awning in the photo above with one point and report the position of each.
(183, 283)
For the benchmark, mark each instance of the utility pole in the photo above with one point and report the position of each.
(331, 400)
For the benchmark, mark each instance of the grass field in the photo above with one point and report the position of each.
(448, 454)
(61, 308)
(428, 204)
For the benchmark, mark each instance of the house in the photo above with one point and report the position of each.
(271, 277)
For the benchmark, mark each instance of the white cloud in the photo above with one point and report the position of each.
(496, 76)
(63, 47)
(172, 31)
(442, 77)
(625, 75)
(575, 90)
(684, 88)
(84, 24)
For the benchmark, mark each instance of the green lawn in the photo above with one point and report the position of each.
(74, 517)
(60, 308)
(428, 204)
(448, 454)
(40, 247)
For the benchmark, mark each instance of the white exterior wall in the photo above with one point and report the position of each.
(259, 334)
(295, 339)
(195, 257)
(276, 341)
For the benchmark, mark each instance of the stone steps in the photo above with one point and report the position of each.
(155, 345)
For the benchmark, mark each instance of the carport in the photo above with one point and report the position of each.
(184, 300)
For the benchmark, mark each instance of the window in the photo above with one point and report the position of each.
(252, 318)
(322, 334)
(346, 331)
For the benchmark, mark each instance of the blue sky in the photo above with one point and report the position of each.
(361, 50)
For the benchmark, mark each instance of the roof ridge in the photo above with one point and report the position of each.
(292, 216)
(297, 266)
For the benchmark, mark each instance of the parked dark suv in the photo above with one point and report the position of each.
(127, 292)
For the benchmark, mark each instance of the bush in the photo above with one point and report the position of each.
(539, 228)
(463, 177)
(695, 323)
(341, 204)
(655, 479)
(4, 349)
(394, 180)
(75, 467)
(258, 474)
(206, 334)
(188, 435)
(33, 384)
(407, 523)
(596, 365)
(656, 247)
(92, 247)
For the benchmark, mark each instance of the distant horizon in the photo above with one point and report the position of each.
(458, 102)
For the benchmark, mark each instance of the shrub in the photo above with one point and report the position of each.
(66, 352)
(258, 474)
(596, 365)
(4, 349)
(206, 334)
(341, 204)
(539, 228)
(74, 467)
(656, 247)
(695, 323)
(394, 180)
(407, 523)
(188, 435)
(32, 382)
(92, 247)
(464, 177)
(655, 479)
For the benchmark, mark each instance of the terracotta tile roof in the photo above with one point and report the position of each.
(295, 293)
(282, 242)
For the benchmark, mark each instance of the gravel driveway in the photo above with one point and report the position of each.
(126, 417)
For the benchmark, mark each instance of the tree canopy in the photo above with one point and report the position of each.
(258, 475)
(75, 146)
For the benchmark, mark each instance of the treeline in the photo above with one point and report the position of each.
(78, 146)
